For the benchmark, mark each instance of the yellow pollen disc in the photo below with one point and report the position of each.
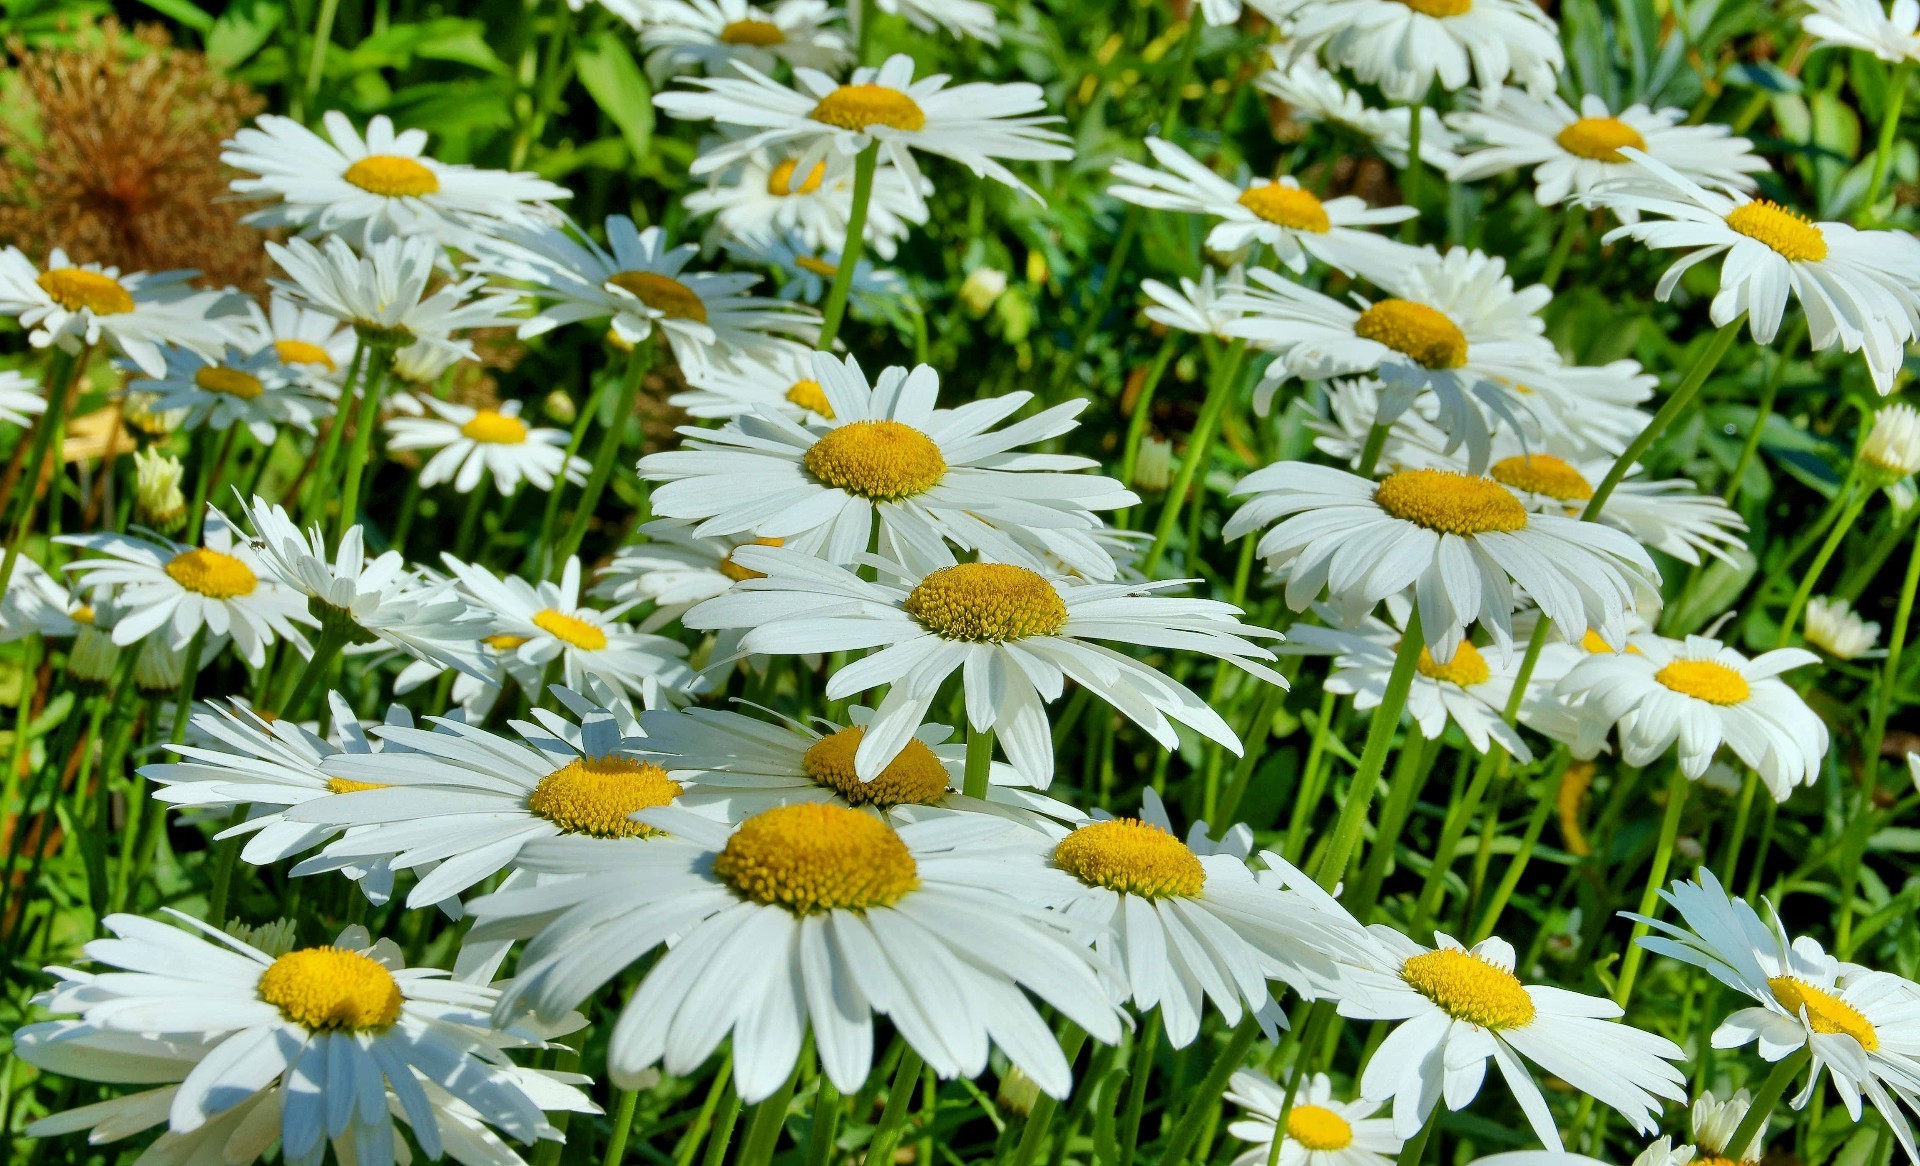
(987, 603)
(1540, 473)
(1467, 668)
(1705, 680)
(231, 381)
(1132, 857)
(1440, 8)
(82, 615)
(811, 397)
(343, 785)
(883, 461)
(780, 179)
(817, 857)
(819, 267)
(598, 796)
(915, 777)
(1315, 1127)
(669, 297)
(1287, 206)
(739, 574)
(758, 33)
(302, 352)
(503, 642)
(1467, 987)
(332, 989)
(1592, 642)
(570, 629)
(76, 288)
(392, 176)
(1451, 502)
(1716, 1160)
(859, 107)
(1826, 1013)
(1791, 234)
(1600, 138)
(1415, 330)
(491, 427)
(212, 574)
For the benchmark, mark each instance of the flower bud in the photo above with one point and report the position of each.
(1892, 450)
(983, 286)
(157, 500)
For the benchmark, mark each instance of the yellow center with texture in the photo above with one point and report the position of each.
(669, 297)
(987, 603)
(739, 574)
(303, 352)
(212, 574)
(346, 785)
(1451, 503)
(1424, 334)
(780, 179)
(491, 427)
(1540, 473)
(810, 396)
(1597, 645)
(570, 629)
(229, 382)
(861, 107)
(1467, 668)
(1467, 987)
(597, 796)
(819, 267)
(1440, 8)
(330, 989)
(1287, 206)
(1705, 680)
(817, 857)
(881, 461)
(504, 641)
(757, 33)
(1791, 235)
(1315, 1127)
(915, 777)
(1826, 1013)
(392, 176)
(1132, 857)
(77, 289)
(1600, 139)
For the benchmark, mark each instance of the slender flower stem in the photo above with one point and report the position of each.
(1143, 408)
(979, 763)
(1811, 576)
(1656, 879)
(1416, 1147)
(1409, 773)
(320, 482)
(764, 1127)
(825, 1120)
(1370, 452)
(1145, 1044)
(536, 565)
(886, 1135)
(1206, 1095)
(1766, 1097)
(66, 366)
(638, 361)
(1199, 443)
(1677, 404)
(1763, 412)
(1040, 1117)
(836, 306)
(1373, 757)
(380, 359)
(1517, 866)
(1889, 125)
(322, 41)
(333, 637)
(622, 1127)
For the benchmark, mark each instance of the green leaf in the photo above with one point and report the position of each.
(240, 32)
(183, 11)
(610, 74)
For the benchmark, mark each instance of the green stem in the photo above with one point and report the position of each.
(1677, 404)
(1040, 1117)
(836, 307)
(45, 436)
(381, 358)
(1307, 797)
(1766, 1097)
(886, 1135)
(826, 1118)
(1749, 449)
(1370, 452)
(1409, 772)
(1206, 1096)
(1517, 866)
(1199, 444)
(331, 640)
(1820, 560)
(979, 763)
(319, 481)
(1889, 124)
(1144, 1047)
(322, 40)
(1143, 408)
(622, 1126)
(1416, 1147)
(205, 475)
(1656, 879)
(1257, 733)
(1562, 248)
(638, 361)
(536, 566)
(1373, 757)
(764, 1128)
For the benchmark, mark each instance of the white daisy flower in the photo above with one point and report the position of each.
(314, 348)
(1861, 1026)
(767, 197)
(1460, 1007)
(1016, 635)
(36, 604)
(20, 399)
(232, 389)
(1836, 629)
(1860, 290)
(1204, 308)
(1228, 12)
(136, 313)
(1892, 448)
(470, 443)
(1892, 33)
(375, 187)
(806, 272)
(890, 469)
(781, 381)
(1699, 694)
(640, 283)
(1715, 1122)
(383, 294)
(805, 918)
(320, 1045)
(1462, 543)
(1404, 48)
(222, 587)
(1312, 94)
(967, 18)
(1321, 1130)
(674, 569)
(709, 35)
(973, 124)
(1279, 213)
(1571, 152)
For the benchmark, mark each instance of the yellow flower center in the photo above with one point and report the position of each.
(1705, 680)
(1540, 473)
(303, 352)
(915, 777)
(1467, 668)
(392, 176)
(346, 785)
(883, 461)
(231, 381)
(1415, 330)
(817, 857)
(1451, 502)
(669, 297)
(780, 179)
(570, 629)
(492, 427)
(1467, 987)
(1826, 1013)
(1287, 206)
(739, 574)
(1315, 1127)
(987, 603)
(1439, 8)
(860, 107)
(819, 267)
(810, 396)
(1592, 642)
(758, 33)
(77, 289)
(212, 574)
(1600, 138)
(1132, 857)
(331, 989)
(504, 642)
(1791, 234)
(599, 795)
(82, 615)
